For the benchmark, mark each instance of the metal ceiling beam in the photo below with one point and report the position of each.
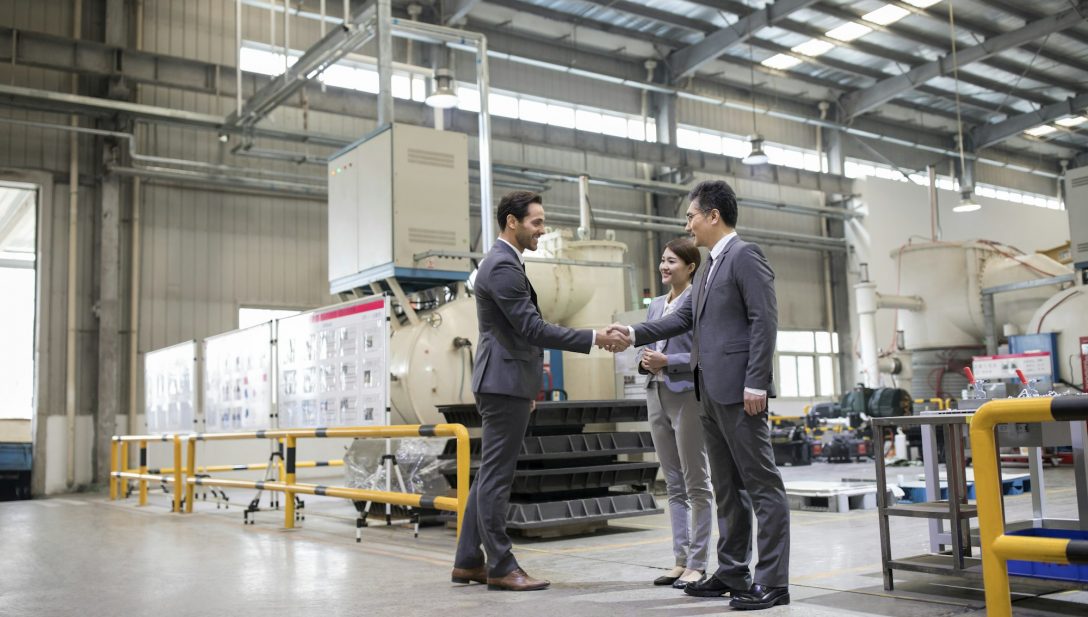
(454, 10)
(337, 43)
(990, 134)
(859, 102)
(940, 14)
(684, 62)
(941, 45)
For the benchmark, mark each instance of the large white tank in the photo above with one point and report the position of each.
(428, 369)
(1065, 313)
(950, 277)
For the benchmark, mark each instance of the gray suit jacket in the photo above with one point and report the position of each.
(677, 375)
(735, 322)
(509, 358)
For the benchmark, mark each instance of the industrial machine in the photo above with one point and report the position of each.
(426, 263)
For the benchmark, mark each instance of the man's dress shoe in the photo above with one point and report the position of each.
(464, 576)
(709, 587)
(517, 580)
(760, 597)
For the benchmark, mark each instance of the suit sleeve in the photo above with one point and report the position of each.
(514, 300)
(678, 363)
(755, 279)
(679, 322)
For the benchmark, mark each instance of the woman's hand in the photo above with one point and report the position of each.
(654, 361)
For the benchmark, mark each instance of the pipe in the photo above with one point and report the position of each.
(907, 303)
(866, 305)
(238, 55)
(385, 63)
(286, 35)
(648, 199)
(934, 215)
(483, 83)
(134, 309)
(73, 265)
(585, 224)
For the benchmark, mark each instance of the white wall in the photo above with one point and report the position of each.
(897, 213)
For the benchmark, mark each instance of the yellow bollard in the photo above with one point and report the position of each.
(143, 470)
(122, 483)
(178, 482)
(463, 462)
(190, 472)
(289, 495)
(113, 469)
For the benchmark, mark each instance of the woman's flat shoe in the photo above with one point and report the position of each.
(666, 580)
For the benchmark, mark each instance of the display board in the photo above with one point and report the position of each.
(171, 376)
(238, 379)
(333, 366)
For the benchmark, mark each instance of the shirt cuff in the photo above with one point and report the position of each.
(631, 333)
(594, 340)
(756, 391)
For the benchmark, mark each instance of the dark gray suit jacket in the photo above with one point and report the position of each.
(735, 322)
(677, 374)
(509, 358)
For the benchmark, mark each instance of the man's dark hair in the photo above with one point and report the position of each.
(716, 195)
(685, 250)
(516, 203)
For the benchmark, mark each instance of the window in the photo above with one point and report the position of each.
(18, 210)
(589, 121)
(248, 316)
(807, 364)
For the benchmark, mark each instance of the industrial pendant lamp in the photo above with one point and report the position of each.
(967, 193)
(967, 203)
(443, 96)
(757, 156)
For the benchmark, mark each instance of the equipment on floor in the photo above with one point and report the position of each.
(567, 480)
(792, 446)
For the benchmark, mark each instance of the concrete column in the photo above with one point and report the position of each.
(109, 318)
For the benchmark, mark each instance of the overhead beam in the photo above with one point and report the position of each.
(456, 10)
(857, 103)
(337, 43)
(684, 62)
(988, 135)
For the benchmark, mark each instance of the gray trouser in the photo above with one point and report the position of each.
(505, 419)
(744, 475)
(678, 440)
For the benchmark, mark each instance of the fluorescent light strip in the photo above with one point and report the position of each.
(780, 61)
(1042, 129)
(1071, 121)
(813, 47)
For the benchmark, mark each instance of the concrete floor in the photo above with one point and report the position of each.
(84, 555)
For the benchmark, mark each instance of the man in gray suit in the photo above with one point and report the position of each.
(733, 313)
(506, 380)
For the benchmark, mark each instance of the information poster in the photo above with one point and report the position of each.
(332, 366)
(170, 389)
(238, 380)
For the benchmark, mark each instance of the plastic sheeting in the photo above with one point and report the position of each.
(417, 460)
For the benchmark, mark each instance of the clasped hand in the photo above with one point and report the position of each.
(614, 338)
(654, 361)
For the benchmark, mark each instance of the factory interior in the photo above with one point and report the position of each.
(239, 247)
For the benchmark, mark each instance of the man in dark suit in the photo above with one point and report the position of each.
(506, 380)
(733, 313)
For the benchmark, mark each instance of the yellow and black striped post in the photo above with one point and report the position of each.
(289, 480)
(114, 451)
(179, 484)
(143, 471)
(998, 548)
(190, 471)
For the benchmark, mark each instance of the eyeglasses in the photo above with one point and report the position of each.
(691, 215)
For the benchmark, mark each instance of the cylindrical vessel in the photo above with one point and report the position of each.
(1064, 314)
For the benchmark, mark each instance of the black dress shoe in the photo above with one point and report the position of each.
(665, 580)
(760, 597)
(679, 584)
(709, 587)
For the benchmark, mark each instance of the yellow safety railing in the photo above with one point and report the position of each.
(940, 403)
(998, 548)
(119, 470)
(184, 473)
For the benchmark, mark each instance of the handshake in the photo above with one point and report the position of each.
(614, 338)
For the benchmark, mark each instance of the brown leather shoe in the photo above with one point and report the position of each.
(517, 580)
(464, 576)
